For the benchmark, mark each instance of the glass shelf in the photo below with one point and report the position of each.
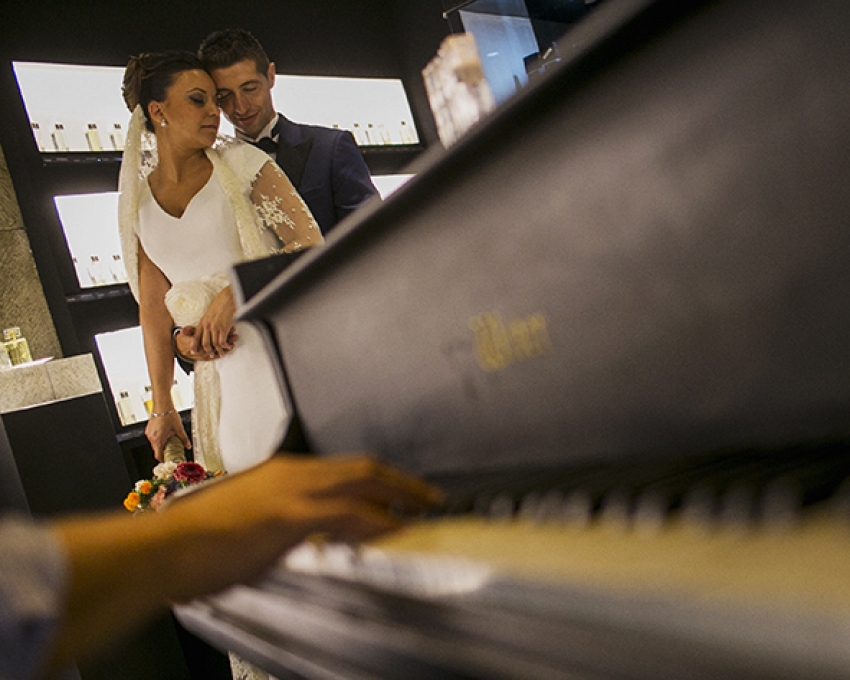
(79, 109)
(90, 224)
(64, 102)
(375, 110)
(123, 356)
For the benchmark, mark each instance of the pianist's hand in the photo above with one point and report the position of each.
(122, 570)
(252, 517)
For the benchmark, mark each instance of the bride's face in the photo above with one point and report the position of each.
(190, 110)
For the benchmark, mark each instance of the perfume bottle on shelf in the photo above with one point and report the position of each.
(93, 138)
(16, 346)
(147, 399)
(58, 137)
(96, 274)
(371, 137)
(125, 409)
(117, 270)
(36, 133)
(177, 396)
(117, 137)
(81, 273)
(359, 137)
(384, 135)
(406, 133)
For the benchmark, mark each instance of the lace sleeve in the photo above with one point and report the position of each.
(282, 210)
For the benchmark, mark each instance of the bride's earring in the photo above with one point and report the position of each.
(162, 123)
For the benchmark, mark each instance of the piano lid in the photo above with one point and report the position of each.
(643, 254)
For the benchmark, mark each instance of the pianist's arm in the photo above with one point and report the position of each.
(123, 569)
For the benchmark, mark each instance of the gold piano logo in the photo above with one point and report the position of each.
(498, 345)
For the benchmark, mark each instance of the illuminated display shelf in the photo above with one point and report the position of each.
(79, 109)
(123, 357)
(90, 225)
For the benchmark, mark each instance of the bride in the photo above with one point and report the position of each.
(191, 205)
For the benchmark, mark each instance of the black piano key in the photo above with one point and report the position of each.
(577, 508)
(781, 503)
(699, 505)
(738, 505)
(652, 508)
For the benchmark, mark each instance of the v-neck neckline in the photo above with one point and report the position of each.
(188, 205)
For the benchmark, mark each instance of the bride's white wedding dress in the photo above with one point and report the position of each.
(247, 209)
(195, 252)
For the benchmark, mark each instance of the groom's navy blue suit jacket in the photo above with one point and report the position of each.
(326, 167)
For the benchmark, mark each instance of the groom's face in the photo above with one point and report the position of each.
(245, 96)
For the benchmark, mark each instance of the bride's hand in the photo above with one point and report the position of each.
(160, 429)
(213, 334)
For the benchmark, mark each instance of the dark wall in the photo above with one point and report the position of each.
(346, 37)
(88, 475)
(12, 495)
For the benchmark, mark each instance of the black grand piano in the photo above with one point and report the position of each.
(613, 322)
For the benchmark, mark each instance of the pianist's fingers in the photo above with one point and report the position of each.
(250, 518)
(365, 478)
(347, 520)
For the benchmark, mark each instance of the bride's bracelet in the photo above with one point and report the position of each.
(162, 415)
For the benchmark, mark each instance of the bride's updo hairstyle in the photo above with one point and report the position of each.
(149, 75)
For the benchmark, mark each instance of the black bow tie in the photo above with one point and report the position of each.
(267, 144)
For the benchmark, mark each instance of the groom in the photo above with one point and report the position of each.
(324, 165)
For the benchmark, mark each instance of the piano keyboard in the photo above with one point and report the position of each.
(743, 487)
(734, 567)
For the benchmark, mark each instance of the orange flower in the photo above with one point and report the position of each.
(145, 487)
(132, 501)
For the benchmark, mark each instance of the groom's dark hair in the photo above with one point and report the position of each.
(225, 48)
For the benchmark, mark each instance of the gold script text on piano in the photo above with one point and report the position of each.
(498, 345)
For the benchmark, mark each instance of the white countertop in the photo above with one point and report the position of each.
(46, 381)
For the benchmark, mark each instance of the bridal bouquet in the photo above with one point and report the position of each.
(168, 477)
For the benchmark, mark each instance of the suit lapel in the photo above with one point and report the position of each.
(292, 159)
(292, 150)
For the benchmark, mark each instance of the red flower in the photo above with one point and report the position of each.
(189, 473)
